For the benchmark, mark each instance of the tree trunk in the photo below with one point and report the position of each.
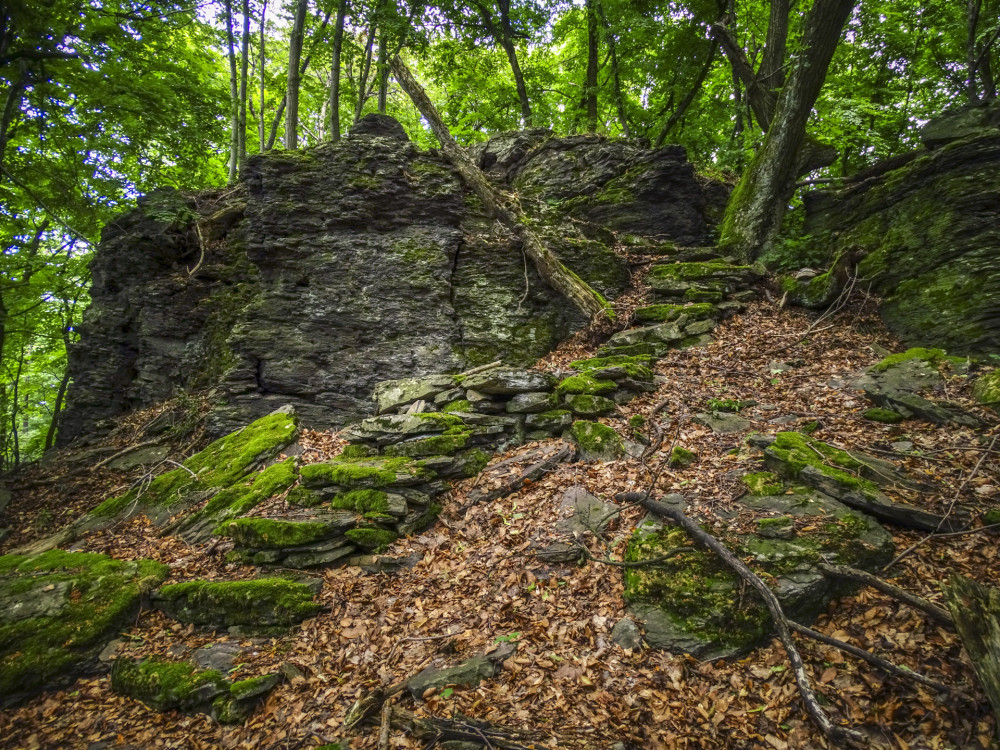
(522, 90)
(383, 70)
(261, 125)
(234, 110)
(613, 50)
(971, 51)
(338, 45)
(503, 208)
(976, 609)
(756, 207)
(292, 90)
(366, 66)
(590, 88)
(244, 74)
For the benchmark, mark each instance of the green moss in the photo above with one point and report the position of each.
(681, 457)
(245, 688)
(366, 473)
(459, 405)
(763, 483)
(781, 522)
(303, 497)
(93, 596)
(244, 496)
(887, 416)
(585, 384)
(371, 538)
(696, 591)
(724, 404)
(935, 357)
(436, 445)
(796, 451)
(596, 440)
(166, 685)
(362, 501)
(703, 295)
(267, 533)
(696, 271)
(260, 602)
(667, 313)
(636, 367)
(987, 389)
(992, 516)
(476, 460)
(220, 465)
(637, 422)
(586, 405)
(357, 451)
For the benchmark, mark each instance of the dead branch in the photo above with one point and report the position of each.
(122, 452)
(463, 729)
(532, 474)
(875, 661)
(939, 614)
(781, 622)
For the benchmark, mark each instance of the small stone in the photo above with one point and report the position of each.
(585, 405)
(902, 446)
(391, 394)
(532, 403)
(221, 656)
(626, 634)
(503, 381)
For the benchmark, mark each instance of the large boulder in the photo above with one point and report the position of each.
(335, 267)
(928, 233)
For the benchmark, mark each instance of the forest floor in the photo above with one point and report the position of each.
(477, 584)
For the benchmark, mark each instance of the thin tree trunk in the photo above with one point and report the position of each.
(12, 104)
(383, 71)
(502, 208)
(613, 49)
(522, 90)
(338, 45)
(366, 67)
(50, 435)
(971, 53)
(756, 207)
(244, 79)
(234, 111)
(261, 125)
(590, 92)
(294, 76)
(302, 71)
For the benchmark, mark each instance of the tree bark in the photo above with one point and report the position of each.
(366, 66)
(292, 90)
(616, 75)
(976, 609)
(756, 207)
(681, 108)
(234, 111)
(502, 208)
(383, 70)
(338, 45)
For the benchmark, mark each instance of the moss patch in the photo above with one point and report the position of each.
(636, 367)
(458, 405)
(75, 602)
(362, 473)
(668, 313)
(987, 389)
(371, 538)
(763, 483)
(362, 501)
(585, 384)
(265, 602)
(681, 457)
(886, 416)
(935, 357)
(222, 464)
(166, 685)
(268, 533)
(597, 441)
(795, 451)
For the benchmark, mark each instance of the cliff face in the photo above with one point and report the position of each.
(928, 229)
(331, 269)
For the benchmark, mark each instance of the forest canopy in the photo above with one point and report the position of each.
(104, 100)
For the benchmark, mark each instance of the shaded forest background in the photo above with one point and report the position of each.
(109, 99)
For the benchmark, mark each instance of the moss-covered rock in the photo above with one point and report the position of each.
(57, 611)
(616, 368)
(668, 313)
(364, 473)
(372, 537)
(263, 603)
(165, 685)
(694, 603)
(987, 389)
(586, 384)
(223, 464)
(886, 416)
(270, 533)
(763, 483)
(597, 442)
(681, 458)
(934, 357)
(584, 405)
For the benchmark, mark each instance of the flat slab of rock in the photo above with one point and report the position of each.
(468, 673)
(722, 422)
(900, 388)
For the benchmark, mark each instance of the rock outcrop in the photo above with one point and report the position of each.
(927, 229)
(334, 268)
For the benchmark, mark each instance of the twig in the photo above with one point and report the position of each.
(180, 466)
(477, 370)
(414, 638)
(951, 506)
(122, 452)
(861, 576)
(781, 622)
(875, 661)
(637, 563)
(383, 732)
(533, 473)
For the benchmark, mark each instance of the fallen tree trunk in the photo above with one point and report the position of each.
(976, 609)
(781, 622)
(503, 208)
